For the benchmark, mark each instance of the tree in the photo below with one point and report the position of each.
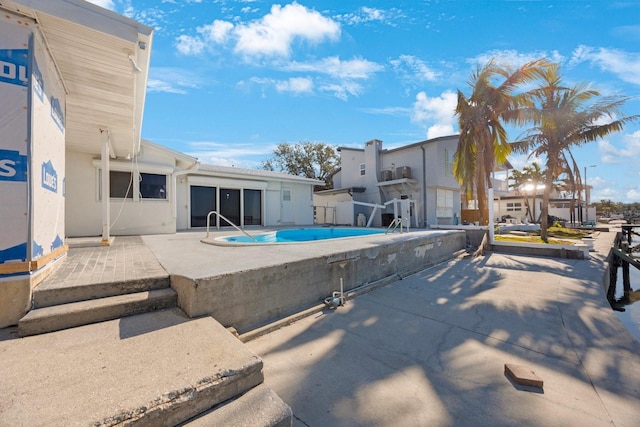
(526, 182)
(566, 117)
(483, 139)
(534, 177)
(315, 160)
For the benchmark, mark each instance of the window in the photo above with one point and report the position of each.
(153, 186)
(514, 207)
(121, 185)
(444, 203)
(134, 186)
(362, 169)
(448, 159)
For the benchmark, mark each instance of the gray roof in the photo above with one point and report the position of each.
(404, 147)
(256, 173)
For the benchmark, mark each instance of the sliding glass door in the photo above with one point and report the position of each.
(230, 206)
(228, 203)
(252, 207)
(203, 201)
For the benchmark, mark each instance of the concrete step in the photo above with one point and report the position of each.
(47, 296)
(151, 369)
(55, 318)
(259, 407)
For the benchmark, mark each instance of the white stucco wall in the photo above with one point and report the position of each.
(350, 160)
(128, 217)
(301, 212)
(334, 209)
(301, 203)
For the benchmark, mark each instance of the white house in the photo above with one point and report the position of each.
(73, 82)
(163, 191)
(521, 208)
(419, 177)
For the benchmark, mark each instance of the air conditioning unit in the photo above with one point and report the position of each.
(403, 172)
(386, 175)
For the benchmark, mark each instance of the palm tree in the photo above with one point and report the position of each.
(526, 183)
(483, 139)
(567, 117)
(534, 177)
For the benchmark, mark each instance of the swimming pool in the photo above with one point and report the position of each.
(297, 235)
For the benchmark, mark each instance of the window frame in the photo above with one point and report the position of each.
(136, 195)
(163, 189)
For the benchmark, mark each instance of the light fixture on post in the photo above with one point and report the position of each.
(586, 193)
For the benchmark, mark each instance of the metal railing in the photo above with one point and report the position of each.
(229, 222)
(395, 224)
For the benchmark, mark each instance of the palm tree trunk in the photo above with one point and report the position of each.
(480, 186)
(544, 214)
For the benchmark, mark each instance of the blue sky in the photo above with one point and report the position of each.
(231, 79)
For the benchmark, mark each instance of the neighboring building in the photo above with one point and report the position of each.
(517, 208)
(73, 80)
(420, 173)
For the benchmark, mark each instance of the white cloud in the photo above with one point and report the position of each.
(155, 17)
(188, 45)
(633, 195)
(611, 154)
(372, 14)
(412, 68)
(161, 86)
(514, 58)
(632, 141)
(388, 111)
(218, 32)
(342, 90)
(229, 154)
(343, 74)
(296, 85)
(273, 34)
(436, 114)
(172, 80)
(625, 65)
(357, 68)
(369, 14)
(270, 36)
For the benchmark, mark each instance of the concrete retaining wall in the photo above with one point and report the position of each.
(248, 299)
(553, 251)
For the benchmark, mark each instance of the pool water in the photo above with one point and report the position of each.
(302, 235)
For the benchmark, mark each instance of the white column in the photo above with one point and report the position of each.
(491, 225)
(106, 190)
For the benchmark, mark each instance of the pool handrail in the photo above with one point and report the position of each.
(397, 222)
(230, 223)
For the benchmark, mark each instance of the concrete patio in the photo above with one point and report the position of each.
(426, 349)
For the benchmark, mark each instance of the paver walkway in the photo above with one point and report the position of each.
(128, 258)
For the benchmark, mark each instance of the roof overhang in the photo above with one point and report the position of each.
(332, 191)
(242, 173)
(103, 60)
